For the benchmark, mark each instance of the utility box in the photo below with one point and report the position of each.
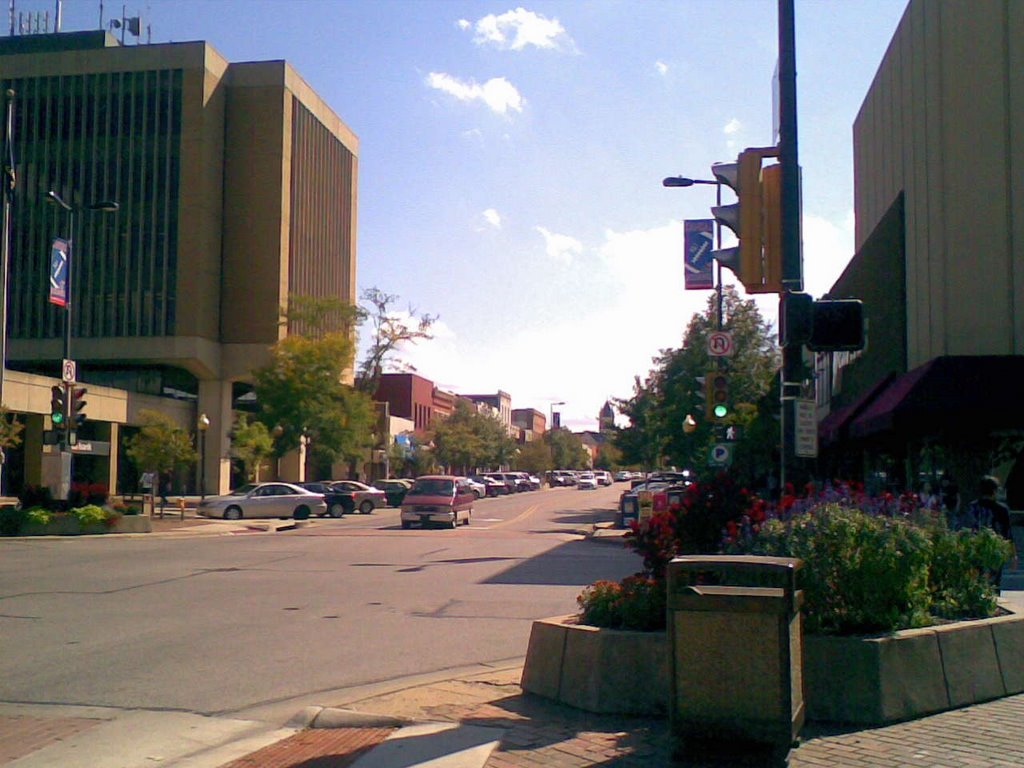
(735, 638)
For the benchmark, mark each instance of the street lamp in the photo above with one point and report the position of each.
(551, 410)
(683, 181)
(203, 424)
(107, 206)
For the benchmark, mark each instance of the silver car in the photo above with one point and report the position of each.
(264, 500)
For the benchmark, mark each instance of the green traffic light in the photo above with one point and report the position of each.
(721, 411)
(57, 418)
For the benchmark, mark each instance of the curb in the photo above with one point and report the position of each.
(335, 717)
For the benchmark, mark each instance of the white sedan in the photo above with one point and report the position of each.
(264, 500)
(587, 481)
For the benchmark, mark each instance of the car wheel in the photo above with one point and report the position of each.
(336, 510)
(406, 525)
(301, 513)
(366, 507)
(232, 513)
(476, 495)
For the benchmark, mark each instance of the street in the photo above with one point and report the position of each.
(260, 624)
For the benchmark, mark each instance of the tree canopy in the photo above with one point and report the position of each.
(675, 388)
(391, 329)
(469, 439)
(160, 444)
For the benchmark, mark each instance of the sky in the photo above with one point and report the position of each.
(511, 156)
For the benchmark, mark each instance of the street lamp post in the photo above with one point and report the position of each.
(683, 181)
(551, 410)
(107, 206)
(203, 424)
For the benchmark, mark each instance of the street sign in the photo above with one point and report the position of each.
(806, 429)
(68, 372)
(720, 344)
(720, 454)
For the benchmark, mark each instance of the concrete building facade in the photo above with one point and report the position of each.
(236, 187)
(939, 264)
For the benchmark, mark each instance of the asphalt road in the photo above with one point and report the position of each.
(261, 624)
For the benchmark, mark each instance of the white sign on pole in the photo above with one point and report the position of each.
(720, 344)
(806, 428)
(68, 371)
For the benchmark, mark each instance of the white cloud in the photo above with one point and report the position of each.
(464, 24)
(662, 68)
(828, 248)
(497, 93)
(517, 29)
(562, 248)
(493, 218)
(732, 127)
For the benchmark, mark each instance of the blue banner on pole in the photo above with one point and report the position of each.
(59, 273)
(698, 235)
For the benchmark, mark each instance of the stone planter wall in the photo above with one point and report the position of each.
(599, 670)
(846, 679)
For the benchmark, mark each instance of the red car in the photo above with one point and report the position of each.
(444, 499)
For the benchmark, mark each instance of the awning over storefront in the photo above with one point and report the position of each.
(968, 394)
(834, 428)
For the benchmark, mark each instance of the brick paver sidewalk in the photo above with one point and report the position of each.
(20, 736)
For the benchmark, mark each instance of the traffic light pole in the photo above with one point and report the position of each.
(792, 266)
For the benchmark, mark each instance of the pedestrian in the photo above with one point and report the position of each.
(986, 512)
(165, 488)
(146, 483)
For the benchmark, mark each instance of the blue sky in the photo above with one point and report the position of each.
(511, 157)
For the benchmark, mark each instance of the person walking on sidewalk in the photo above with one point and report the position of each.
(986, 512)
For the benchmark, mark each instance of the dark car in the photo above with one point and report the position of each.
(338, 503)
(394, 490)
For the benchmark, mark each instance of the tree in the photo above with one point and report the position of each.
(567, 450)
(534, 457)
(301, 393)
(391, 329)
(674, 389)
(468, 439)
(160, 445)
(251, 444)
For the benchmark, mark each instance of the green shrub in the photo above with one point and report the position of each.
(11, 519)
(960, 575)
(637, 602)
(861, 574)
(38, 515)
(90, 514)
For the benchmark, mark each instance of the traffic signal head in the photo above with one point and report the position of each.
(750, 221)
(77, 407)
(717, 395)
(58, 405)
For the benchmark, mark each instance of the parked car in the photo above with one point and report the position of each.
(253, 500)
(603, 476)
(338, 502)
(491, 486)
(479, 489)
(394, 490)
(507, 480)
(623, 476)
(364, 498)
(586, 481)
(444, 499)
(525, 482)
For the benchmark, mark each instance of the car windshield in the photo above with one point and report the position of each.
(432, 487)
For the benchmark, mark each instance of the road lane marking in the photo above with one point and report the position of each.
(525, 513)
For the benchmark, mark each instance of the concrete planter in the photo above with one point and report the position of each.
(610, 671)
(68, 525)
(872, 680)
(914, 672)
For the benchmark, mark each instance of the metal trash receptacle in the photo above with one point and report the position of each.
(735, 638)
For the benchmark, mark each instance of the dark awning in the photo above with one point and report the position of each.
(963, 394)
(835, 427)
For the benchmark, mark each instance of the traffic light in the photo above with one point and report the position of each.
(58, 406)
(755, 218)
(838, 325)
(77, 409)
(716, 400)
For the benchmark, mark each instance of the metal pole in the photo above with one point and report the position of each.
(202, 464)
(718, 246)
(5, 244)
(792, 267)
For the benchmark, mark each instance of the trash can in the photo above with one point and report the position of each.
(735, 638)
